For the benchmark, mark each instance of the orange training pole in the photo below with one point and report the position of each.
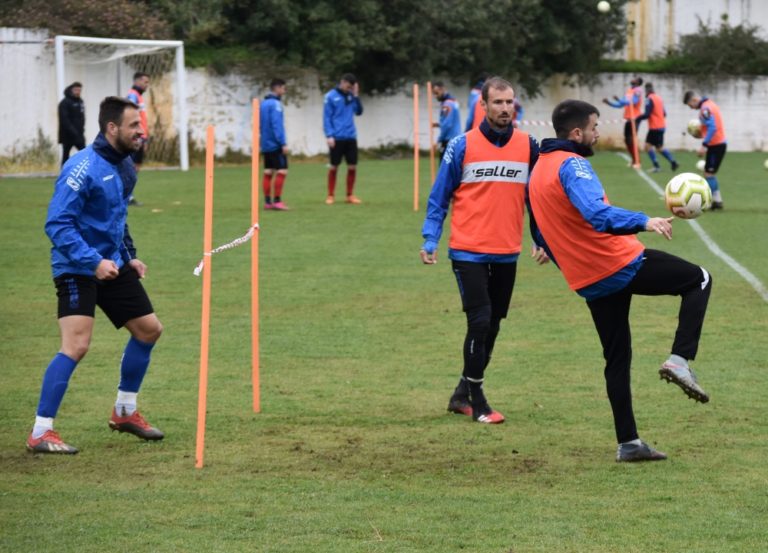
(415, 147)
(206, 311)
(431, 136)
(255, 259)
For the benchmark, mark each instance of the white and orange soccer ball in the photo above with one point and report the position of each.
(694, 128)
(687, 195)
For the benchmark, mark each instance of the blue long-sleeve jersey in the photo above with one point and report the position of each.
(622, 102)
(339, 110)
(474, 97)
(584, 190)
(271, 124)
(448, 180)
(87, 216)
(450, 119)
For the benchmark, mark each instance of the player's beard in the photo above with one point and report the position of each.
(127, 145)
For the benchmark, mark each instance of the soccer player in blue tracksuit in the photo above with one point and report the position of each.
(450, 117)
(273, 145)
(94, 263)
(474, 97)
(340, 107)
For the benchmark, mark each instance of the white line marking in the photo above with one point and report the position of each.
(713, 247)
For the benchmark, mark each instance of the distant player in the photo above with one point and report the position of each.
(483, 176)
(340, 107)
(273, 145)
(94, 263)
(594, 245)
(475, 112)
(518, 116)
(136, 95)
(71, 121)
(713, 145)
(450, 117)
(631, 102)
(657, 123)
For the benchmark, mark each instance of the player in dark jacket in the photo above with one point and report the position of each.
(71, 121)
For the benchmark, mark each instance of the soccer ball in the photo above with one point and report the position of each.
(701, 165)
(603, 6)
(694, 128)
(687, 195)
(765, 164)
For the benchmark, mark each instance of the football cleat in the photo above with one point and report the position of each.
(269, 205)
(279, 206)
(683, 377)
(716, 206)
(329, 200)
(50, 442)
(675, 165)
(486, 415)
(135, 424)
(352, 199)
(631, 453)
(656, 170)
(460, 405)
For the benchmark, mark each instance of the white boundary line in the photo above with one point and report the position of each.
(713, 247)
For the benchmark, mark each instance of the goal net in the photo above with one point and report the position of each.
(106, 66)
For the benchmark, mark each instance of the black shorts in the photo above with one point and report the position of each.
(346, 149)
(715, 155)
(275, 160)
(485, 284)
(628, 131)
(121, 299)
(655, 138)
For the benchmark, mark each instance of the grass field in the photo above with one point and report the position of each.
(360, 349)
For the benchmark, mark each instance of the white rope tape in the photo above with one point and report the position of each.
(236, 242)
(534, 123)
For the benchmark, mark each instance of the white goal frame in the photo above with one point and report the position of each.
(180, 98)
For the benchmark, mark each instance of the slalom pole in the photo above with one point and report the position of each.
(415, 147)
(205, 318)
(431, 136)
(255, 259)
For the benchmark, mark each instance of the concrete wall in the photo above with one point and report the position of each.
(656, 25)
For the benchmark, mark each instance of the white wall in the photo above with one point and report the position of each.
(28, 89)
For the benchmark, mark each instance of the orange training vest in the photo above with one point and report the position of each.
(633, 110)
(488, 205)
(657, 120)
(585, 256)
(719, 136)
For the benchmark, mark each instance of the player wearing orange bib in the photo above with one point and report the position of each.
(631, 102)
(483, 173)
(594, 245)
(713, 145)
(657, 125)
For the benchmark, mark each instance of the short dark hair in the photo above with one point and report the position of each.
(571, 114)
(648, 87)
(441, 84)
(637, 81)
(139, 75)
(111, 111)
(687, 96)
(274, 83)
(349, 77)
(76, 84)
(494, 82)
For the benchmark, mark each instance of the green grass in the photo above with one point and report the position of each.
(360, 348)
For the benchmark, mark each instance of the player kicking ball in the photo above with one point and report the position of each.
(594, 245)
(94, 263)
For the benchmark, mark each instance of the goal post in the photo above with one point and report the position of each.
(105, 67)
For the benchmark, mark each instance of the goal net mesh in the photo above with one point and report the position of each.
(108, 69)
